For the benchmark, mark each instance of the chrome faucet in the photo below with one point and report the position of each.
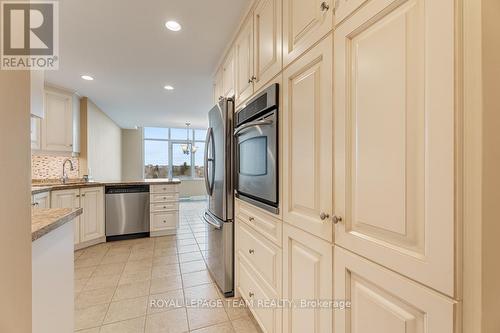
(65, 177)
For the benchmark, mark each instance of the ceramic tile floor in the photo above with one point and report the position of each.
(151, 285)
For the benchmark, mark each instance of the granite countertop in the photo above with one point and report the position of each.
(45, 220)
(47, 187)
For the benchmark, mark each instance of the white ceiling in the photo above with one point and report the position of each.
(125, 46)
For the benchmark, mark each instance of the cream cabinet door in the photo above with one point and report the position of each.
(243, 53)
(57, 126)
(304, 23)
(267, 41)
(308, 142)
(68, 199)
(382, 301)
(92, 220)
(228, 75)
(394, 138)
(307, 276)
(218, 86)
(35, 133)
(42, 200)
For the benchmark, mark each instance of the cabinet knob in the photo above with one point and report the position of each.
(251, 219)
(78, 195)
(164, 221)
(251, 251)
(323, 216)
(324, 6)
(254, 78)
(250, 80)
(251, 294)
(336, 219)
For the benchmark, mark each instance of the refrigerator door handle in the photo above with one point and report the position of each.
(209, 142)
(210, 221)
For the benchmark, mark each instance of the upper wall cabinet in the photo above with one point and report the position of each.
(243, 53)
(394, 137)
(304, 23)
(37, 91)
(228, 75)
(57, 126)
(218, 86)
(308, 142)
(267, 41)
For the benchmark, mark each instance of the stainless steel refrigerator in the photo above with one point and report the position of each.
(219, 215)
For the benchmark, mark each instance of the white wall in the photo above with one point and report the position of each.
(104, 140)
(132, 160)
(15, 209)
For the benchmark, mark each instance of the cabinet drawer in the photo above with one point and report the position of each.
(264, 223)
(165, 197)
(165, 206)
(253, 290)
(164, 188)
(261, 253)
(166, 220)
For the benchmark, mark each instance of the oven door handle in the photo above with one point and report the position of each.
(210, 221)
(252, 124)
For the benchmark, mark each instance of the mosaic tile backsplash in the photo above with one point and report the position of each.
(50, 167)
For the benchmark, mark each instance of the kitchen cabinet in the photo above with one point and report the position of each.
(90, 226)
(218, 86)
(57, 125)
(305, 22)
(92, 219)
(41, 200)
(267, 57)
(243, 53)
(394, 138)
(382, 301)
(308, 142)
(37, 79)
(164, 202)
(35, 133)
(228, 75)
(68, 199)
(307, 276)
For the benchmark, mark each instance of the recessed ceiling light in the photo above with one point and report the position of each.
(87, 77)
(167, 87)
(173, 25)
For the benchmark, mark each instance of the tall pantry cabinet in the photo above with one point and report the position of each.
(370, 151)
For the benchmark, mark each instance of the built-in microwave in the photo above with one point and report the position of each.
(256, 150)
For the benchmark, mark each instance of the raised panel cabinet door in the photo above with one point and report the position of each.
(267, 17)
(308, 142)
(304, 23)
(243, 53)
(307, 277)
(67, 199)
(382, 301)
(92, 220)
(42, 200)
(57, 126)
(35, 133)
(394, 138)
(218, 86)
(228, 75)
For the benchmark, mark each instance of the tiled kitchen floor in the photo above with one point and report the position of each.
(148, 284)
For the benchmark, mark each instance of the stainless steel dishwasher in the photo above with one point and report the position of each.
(127, 211)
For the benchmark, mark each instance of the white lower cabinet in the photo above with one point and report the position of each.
(41, 200)
(383, 301)
(89, 227)
(164, 201)
(307, 276)
(92, 219)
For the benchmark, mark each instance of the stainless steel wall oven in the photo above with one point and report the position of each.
(256, 150)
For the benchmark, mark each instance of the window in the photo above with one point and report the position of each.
(164, 156)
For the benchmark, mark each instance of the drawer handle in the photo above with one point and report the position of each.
(164, 206)
(251, 219)
(251, 251)
(251, 294)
